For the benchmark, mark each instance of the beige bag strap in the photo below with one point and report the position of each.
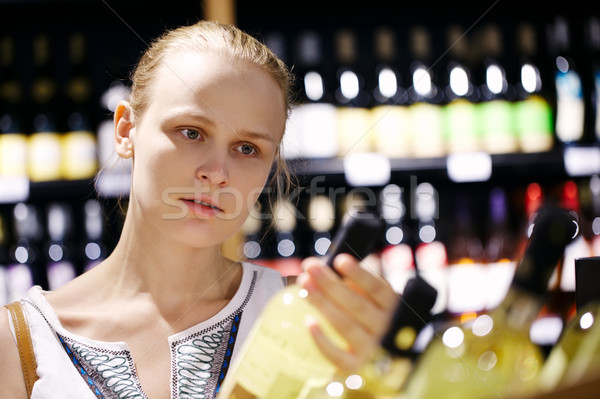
(28, 363)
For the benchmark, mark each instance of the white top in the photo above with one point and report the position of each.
(200, 355)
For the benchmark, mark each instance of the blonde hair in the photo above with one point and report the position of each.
(226, 39)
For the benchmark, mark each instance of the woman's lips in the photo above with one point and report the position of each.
(202, 207)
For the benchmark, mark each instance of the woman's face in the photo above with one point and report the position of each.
(204, 146)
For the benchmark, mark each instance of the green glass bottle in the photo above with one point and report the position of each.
(279, 356)
(492, 355)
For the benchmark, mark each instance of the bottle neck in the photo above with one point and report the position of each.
(520, 308)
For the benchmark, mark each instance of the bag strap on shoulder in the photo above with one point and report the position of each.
(28, 363)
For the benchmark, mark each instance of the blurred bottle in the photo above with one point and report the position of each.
(500, 249)
(13, 140)
(45, 150)
(570, 105)
(27, 268)
(353, 124)
(495, 108)
(431, 257)
(467, 294)
(576, 355)
(385, 374)
(397, 259)
(592, 212)
(279, 357)
(492, 355)
(425, 97)
(60, 266)
(311, 127)
(288, 252)
(79, 159)
(251, 248)
(461, 129)
(560, 306)
(592, 80)
(322, 220)
(390, 116)
(94, 249)
(532, 111)
(4, 259)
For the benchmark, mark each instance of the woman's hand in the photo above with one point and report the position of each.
(358, 303)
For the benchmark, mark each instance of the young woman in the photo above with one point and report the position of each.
(202, 126)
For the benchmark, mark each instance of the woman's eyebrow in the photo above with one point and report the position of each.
(256, 136)
(243, 134)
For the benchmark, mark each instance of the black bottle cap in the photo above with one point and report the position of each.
(554, 228)
(412, 314)
(358, 236)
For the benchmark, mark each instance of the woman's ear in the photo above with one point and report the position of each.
(123, 130)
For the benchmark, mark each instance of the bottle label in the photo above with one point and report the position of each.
(79, 155)
(597, 102)
(426, 130)
(460, 126)
(533, 124)
(497, 124)
(391, 130)
(13, 155)
(44, 157)
(354, 130)
(569, 107)
(279, 357)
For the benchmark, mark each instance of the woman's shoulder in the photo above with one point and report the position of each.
(12, 384)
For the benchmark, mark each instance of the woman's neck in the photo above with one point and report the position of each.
(173, 274)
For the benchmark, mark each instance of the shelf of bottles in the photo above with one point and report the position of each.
(451, 132)
(456, 137)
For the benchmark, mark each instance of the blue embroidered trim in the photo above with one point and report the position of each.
(86, 377)
(230, 345)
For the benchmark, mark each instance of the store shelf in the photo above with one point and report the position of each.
(526, 166)
(541, 166)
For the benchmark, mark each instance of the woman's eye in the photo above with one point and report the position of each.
(246, 149)
(190, 133)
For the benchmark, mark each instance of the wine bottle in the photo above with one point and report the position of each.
(592, 30)
(251, 247)
(397, 258)
(533, 115)
(385, 375)
(4, 295)
(60, 267)
(431, 256)
(493, 355)
(321, 219)
(287, 258)
(311, 127)
(279, 355)
(13, 141)
(495, 108)
(26, 268)
(467, 292)
(577, 353)
(353, 118)
(461, 130)
(94, 249)
(390, 116)
(500, 249)
(425, 97)
(45, 151)
(79, 160)
(570, 104)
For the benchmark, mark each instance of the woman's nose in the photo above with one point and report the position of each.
(213, 170)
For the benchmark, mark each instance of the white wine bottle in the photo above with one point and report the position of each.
(385, 375)
(280, 356)
(576, 355)
(492, 355)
